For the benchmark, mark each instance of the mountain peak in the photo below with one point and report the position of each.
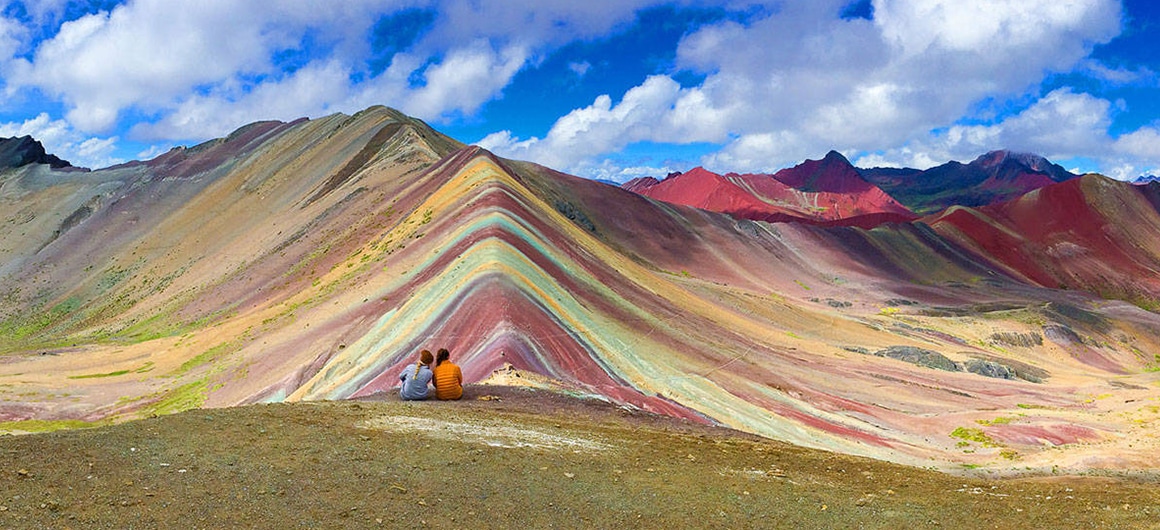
(834, 157)
(833, 173)
(17, 152)
(1002, 163)
(699, 172)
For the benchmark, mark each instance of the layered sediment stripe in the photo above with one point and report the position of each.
(599, 338)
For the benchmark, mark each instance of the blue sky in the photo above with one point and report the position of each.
(604, 88)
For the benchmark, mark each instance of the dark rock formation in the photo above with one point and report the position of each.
(989, 369)
(920, 357)
(17, 152)
(1022, 340)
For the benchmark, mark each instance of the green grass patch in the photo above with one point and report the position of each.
(185, 397)
(94, 376)
(209, 356)
(1002, 420)
(19, 330)
(974, 435)
(152, 328)
(35, 426)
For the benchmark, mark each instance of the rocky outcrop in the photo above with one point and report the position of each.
(932, 359)
(920, 357)
(17, 152)
(1022, 340)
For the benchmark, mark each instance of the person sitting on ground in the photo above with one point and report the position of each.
(448, 377)
(415, 380)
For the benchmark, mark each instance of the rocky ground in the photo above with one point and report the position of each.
(501, 458)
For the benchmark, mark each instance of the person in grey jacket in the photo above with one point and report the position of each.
(415, 380)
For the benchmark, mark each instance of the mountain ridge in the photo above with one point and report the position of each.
(995, 176)
(832, 191)
(827, 191)
(311, 260)
(20, 151)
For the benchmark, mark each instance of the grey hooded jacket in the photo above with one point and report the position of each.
(415, 385)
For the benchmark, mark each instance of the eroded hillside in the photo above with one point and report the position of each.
(312, 260)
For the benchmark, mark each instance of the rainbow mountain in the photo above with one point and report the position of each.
(311, 260)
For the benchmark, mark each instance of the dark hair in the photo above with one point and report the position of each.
(443, 356)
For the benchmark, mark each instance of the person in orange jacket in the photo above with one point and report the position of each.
(448, 379)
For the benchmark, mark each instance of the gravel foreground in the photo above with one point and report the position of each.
(505, 457)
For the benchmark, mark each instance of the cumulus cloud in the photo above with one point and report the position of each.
(12, 37)
(465, 79)
(61, 139)
(653, 111)
(145, 53)
(305, 92)
(773, 87)
(1143, 143)
(802, 80)
(178, 60)
(1064, 124)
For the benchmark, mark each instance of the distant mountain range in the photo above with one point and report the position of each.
(313, 259)
(828, 191)
(993, 177)
(832, 191)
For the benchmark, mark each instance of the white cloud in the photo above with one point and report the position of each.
(1143, 143)
(60, 139)
(12, 37)
(790, 84)
(153, 151)
(465, 79)
(1062, 125)
(306, 92)
(802, 81)
(146, 54)
(199, 69)
(98, 149)
(759, 152)
(999, 25)
(620, 173)
(652, 111)
(580, 68)
(1119, 76)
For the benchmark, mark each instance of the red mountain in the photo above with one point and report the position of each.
(1091, 233)
(828, 191)
(832, 174)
